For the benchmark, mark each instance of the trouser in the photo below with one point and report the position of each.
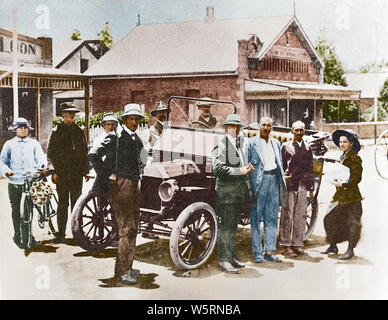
(228, 217)
(67, 186)
(343, 223)
(126, 205)
(15, 194)
(265, 209)
(293, 218)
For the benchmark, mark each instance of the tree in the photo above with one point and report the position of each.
(334, 74)
(383, 98)
(76, 35)
(374, 66)
(105, 37)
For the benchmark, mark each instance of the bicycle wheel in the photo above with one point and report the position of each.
(381, 155)
(26, 214)
(51, 208)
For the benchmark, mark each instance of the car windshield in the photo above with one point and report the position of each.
(176, 140)
(196, 114)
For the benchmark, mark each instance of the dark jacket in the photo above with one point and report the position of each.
(130, 156)
(350, 192)
(67, 151)
(298, 161)
(203, 124)
(231, 185)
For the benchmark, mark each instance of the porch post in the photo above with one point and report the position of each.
(288, 111)
(37, 113)
(87, 107)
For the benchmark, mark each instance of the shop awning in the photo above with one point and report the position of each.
(43, 78)
(258, 89)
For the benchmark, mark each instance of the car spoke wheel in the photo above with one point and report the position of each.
(93, 223)
(311, 218)
(381, 155)
(193, 237)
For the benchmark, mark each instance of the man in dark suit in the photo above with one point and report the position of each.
(67, 158)
(297, 158)
(125, 158)
(268, 187)
(231, 188)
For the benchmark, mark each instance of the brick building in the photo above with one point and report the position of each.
(266, 65)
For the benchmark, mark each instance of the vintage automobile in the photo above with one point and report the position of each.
(177, 193)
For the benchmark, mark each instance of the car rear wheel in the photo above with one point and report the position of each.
(194, 236)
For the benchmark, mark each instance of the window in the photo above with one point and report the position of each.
(84, 65)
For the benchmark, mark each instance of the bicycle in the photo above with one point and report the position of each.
(43, 201)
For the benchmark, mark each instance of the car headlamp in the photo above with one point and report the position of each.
(167, 189)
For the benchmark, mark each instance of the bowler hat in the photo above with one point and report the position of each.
(132, 109)
(350, 134)
(233, 118)
(20, 122)
(68, 107)
(109, 117)
(160, 107)
(205, 103)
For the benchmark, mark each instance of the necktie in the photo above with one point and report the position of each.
(237, 143)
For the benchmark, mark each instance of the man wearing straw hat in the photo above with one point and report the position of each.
(161, 112)
(110, 124)
(205, 120)
(125, 157)
(20, 155)
(230, 172)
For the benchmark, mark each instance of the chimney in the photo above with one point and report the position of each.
(209, 18)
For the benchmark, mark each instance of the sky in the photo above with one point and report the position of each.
(357, 28)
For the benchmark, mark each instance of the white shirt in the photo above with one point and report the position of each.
(268, 155)
(233, 142)
(299, 143)
(130, 132)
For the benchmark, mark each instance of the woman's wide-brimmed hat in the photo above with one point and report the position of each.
(233, 119)
(109, 117)
(205, 103)
(68, 107)
(20, 122)
(160, 107)
(350, 134)
(132, 109)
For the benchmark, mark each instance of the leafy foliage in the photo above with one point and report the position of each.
(369, 114)
(76, 35)
(95, 119)
(105, 37)
(383, 97)
(374, 66)
(334, 74)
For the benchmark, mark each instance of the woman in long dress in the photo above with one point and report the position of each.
(343, 222)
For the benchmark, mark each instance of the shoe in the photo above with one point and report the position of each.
(349, 254)
(237, 264)
(300, 252)
(228, 267)
(128, 278)
(287, 252)
(271, 257)
(332, 249)
(259, 259)
(135, 273)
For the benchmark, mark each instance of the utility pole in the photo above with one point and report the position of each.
(294, 8)
(15, 74)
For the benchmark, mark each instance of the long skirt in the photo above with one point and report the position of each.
(343, 223)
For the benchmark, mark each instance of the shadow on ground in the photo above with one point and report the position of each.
(42, 247)
(145, 281)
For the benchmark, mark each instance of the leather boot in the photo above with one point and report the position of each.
(228, 267)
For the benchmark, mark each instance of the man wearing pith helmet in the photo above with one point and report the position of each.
(125, 157)
(231, 177)
(161, 112)
(67, 156)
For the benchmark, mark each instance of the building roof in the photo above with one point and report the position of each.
(39, 70)
(370, 83)
(64, 50)
(188, 48)
(276, 89)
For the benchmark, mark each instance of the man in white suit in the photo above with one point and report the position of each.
(267, 186)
